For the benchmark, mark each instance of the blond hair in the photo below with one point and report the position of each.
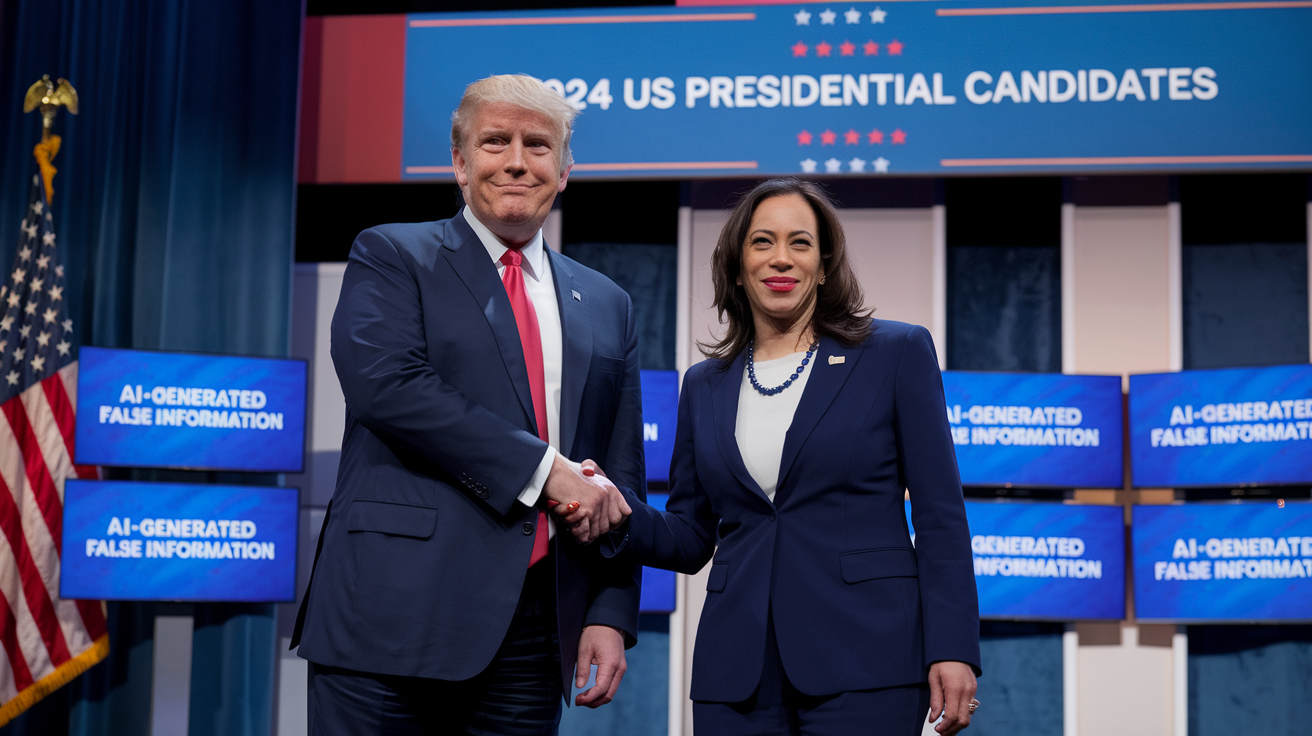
(519, 90)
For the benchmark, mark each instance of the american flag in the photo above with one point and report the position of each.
(45, 641)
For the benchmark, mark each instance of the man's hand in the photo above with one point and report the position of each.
(589, 504)
(951, 687)
(604, 647)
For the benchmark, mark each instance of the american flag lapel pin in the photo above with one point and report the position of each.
(577, 298)
(837, 359)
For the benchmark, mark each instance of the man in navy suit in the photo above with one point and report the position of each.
(477, 365)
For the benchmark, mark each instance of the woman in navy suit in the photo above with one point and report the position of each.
(794, 445)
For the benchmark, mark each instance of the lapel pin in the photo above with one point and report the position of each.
(836, 359)
(577, 298)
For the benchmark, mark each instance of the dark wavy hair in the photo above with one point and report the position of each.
(840, 312)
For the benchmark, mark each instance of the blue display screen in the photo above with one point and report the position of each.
(141, 408)
(1036, 429)
(657, 585)
(1235, 426)
(175, 542)
(894, 89)
(1047, 560)
(660, 412)
(1248, 561)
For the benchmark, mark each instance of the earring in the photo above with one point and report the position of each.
(822, 280)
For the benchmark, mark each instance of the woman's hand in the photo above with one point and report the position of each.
(951, 688)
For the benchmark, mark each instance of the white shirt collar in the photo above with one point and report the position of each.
(531, 253)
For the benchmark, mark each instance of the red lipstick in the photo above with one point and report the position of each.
(780, 283)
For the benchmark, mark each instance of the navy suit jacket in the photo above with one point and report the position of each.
(856, 606)
(425, 546)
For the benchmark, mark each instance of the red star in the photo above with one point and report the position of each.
(899, 136)
(804, 138)
(823, 48)
(895, 47)
(872, 48)
(851, 137)
(828, 138)
(876, 136)
(847, 49)
(799, 49)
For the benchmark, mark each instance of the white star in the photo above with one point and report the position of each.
(12, 378)
(43, 339)
(48, 238)
(827, 17)
(802, 17)
(38, 364)
(25, 330)
(67, 325)
(24, 253)
(19, 274)
(881, 165)
(59, 271)
(30, 308)
(50, 315)
(877, 15)
(18, 355)
(62, 346)
(43, 261)
(56, 293)
(14, 299)
(853, 16)
(833, 166)
(5, 323)
(36, 284)
(30, 230)
(857, 165)
(808, 166)
(37, 207)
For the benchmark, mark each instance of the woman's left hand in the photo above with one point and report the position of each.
(951, 688)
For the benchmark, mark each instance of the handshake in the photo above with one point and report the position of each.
(587, 503)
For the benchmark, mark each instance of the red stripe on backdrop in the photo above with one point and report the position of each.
(9, 639)
(66, 418)
(34, 589)
(43, 486)
(353, 131)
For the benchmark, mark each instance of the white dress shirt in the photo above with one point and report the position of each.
(541, 289)
(763, 421)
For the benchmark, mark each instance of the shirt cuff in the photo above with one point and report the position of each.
(533, 491)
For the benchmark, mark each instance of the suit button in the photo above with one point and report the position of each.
(771, 517)
(482, 493)
(527, 528)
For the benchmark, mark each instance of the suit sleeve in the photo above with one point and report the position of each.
(929, 466)
(681, 538)
(379, 352)
(614, 590)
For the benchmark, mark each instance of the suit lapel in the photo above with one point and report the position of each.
(469, 259)
(576, 353)
(725, 386)
(827, 379)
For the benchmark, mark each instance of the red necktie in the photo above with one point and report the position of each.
(526, 319)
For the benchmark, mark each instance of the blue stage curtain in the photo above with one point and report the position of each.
(174, 206)
(649, 273)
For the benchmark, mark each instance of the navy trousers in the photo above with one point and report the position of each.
(779, 709)
(519, 694)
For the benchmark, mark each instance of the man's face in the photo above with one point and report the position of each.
(509, 169)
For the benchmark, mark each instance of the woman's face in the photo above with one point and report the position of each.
(781, 259)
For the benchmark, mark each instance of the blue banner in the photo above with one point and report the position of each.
(175, 410)
(1047, 561)
(174, 542)
(1036, 429)
(660, 413)
(658, 594)
(1248, 561)
(915, 88)
(1236, 426)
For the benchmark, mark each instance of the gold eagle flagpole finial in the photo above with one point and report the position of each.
(48, 96)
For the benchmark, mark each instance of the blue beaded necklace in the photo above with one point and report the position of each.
(751, 370)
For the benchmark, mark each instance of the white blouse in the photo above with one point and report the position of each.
(763, 421)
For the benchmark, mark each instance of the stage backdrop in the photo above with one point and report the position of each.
(861, 89)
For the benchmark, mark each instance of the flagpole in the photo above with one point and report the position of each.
(48, 97)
